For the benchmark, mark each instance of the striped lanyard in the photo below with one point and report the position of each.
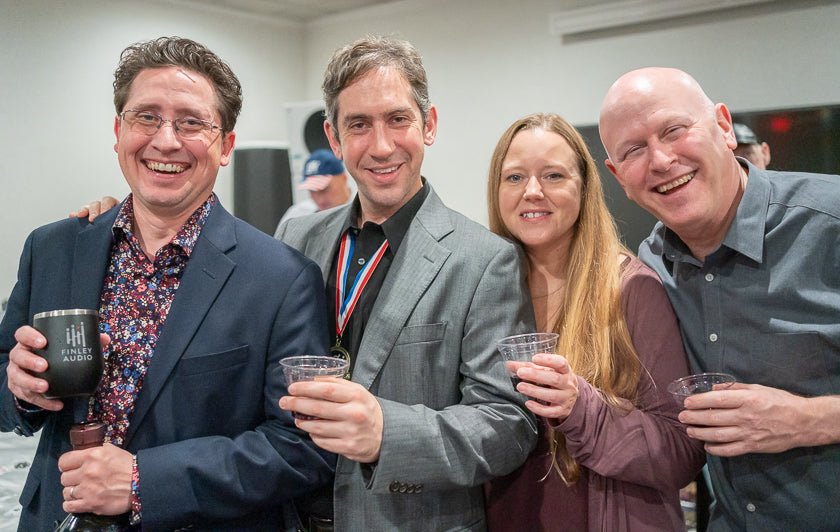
(344, 304)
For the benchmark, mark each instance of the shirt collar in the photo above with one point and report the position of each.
(397, 225)
(185, 238)
(746, 233)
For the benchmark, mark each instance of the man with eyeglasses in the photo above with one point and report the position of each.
(198, 307)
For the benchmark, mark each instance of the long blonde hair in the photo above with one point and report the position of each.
(593, 331)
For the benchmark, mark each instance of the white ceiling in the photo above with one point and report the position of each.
(297, 10)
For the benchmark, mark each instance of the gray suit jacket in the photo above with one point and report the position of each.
(452, 417)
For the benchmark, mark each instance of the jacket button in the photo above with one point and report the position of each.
(418, 488)
(394, 487)
(403, 487)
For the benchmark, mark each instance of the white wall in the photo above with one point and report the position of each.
(57, 60)
(489, 62)
(492, 61)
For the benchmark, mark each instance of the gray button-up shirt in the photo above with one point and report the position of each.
(765, 307)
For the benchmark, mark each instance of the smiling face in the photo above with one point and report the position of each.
(540, 190)
(169, 176)
(381, 138)
(671, 150)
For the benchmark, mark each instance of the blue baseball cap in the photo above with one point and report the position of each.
(319, 169)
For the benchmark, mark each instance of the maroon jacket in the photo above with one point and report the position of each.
(633, 465)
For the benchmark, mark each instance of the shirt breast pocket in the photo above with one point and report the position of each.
(211, 363)
(226, 386)
(420, 334)
(798, 362)
(420, 369)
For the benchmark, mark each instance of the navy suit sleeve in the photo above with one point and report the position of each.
(16, 315)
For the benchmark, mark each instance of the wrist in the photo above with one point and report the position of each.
(25, 407)
(823, 425)
(135, 491)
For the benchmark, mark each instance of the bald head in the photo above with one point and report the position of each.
(670, 148)
(639, 91)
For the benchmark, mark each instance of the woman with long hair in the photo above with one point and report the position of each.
(612, 454)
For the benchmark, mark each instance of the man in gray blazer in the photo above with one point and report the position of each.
(417, 297)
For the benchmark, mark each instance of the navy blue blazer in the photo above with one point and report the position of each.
(214, 449)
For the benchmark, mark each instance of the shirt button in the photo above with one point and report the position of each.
(750, 507)
(713, 337)
(710, 277)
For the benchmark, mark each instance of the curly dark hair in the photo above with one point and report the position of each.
(176, 51)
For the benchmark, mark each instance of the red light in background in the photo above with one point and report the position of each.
(780, 124)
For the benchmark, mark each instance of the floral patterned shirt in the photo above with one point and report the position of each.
(137, 294)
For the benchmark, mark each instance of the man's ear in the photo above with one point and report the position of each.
(332, 138)
(611, 168)
(228, 141)
(430, 131)
(117, 133)
(724, 122)
(765, 152)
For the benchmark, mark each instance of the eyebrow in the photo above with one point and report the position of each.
(553, 167)
(181, 111)
(621, 149)
(361, 116)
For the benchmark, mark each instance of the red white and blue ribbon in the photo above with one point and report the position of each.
(344, 305)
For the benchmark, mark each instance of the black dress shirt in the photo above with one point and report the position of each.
(368, 240)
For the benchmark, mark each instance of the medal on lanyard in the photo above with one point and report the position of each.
(345, 304)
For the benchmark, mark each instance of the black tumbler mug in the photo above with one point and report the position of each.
(73, 352)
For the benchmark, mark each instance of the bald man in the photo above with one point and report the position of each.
(750, 262)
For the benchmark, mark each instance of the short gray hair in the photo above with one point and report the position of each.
(370, 52)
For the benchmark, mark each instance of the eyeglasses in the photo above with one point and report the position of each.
(149, 123)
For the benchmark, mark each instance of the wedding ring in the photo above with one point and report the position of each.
(72, 497)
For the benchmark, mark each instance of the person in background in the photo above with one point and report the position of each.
(749, 147)
(429, 414)
(611, 454)
(326, 181)
(198, 308)
(749, 259)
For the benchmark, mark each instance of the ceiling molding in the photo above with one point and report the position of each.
(620, 14)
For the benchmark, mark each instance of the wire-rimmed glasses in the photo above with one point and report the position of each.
(148, 123)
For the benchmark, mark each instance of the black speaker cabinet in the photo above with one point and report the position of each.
(262, 186)
(313, 132)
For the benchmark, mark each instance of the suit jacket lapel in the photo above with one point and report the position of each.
(206, 274)
(90, 260)
(321, 246)
(416, 264)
